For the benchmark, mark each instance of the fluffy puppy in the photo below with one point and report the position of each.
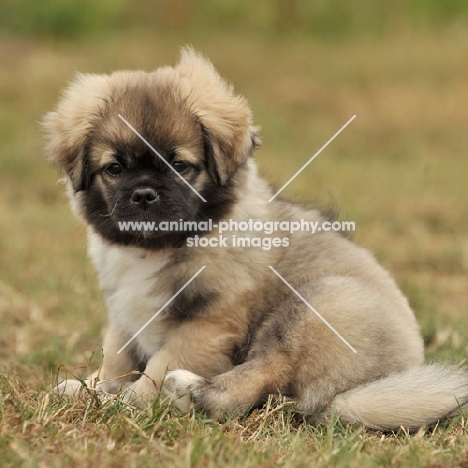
(232, 335)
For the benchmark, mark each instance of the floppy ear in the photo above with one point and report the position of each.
(226, 118)
(68, 128)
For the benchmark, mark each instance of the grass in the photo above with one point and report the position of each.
(399, 171)
(86, 433)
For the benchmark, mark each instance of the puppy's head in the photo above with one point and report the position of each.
(141, 146)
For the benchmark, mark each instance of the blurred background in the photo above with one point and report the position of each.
(399, 170)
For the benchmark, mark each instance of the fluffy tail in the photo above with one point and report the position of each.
(413, 398)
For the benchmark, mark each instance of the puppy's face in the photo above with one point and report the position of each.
(123, 179)
(199, 132)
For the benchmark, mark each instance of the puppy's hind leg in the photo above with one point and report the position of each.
(230, 394)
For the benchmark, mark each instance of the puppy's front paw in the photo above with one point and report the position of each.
(105, 391)
(69, 388)
(141, 393)
(180, 387)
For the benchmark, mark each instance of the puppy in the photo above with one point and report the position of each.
(221, 325)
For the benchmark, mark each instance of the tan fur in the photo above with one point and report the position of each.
(226, 115)
(68, 126)
(252, 337)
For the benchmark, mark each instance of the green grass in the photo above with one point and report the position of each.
(399, 171)
(329, 20)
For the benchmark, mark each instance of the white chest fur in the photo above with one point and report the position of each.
(129, 280)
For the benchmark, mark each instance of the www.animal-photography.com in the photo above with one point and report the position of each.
(233, 234)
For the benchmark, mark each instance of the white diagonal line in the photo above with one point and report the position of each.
(312, 158)
(313, 310)
(161, 309)
(160, 157)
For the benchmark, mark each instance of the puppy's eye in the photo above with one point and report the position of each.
(180, 166)
(113, 169)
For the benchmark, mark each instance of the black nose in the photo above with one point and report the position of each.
(144, 196)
